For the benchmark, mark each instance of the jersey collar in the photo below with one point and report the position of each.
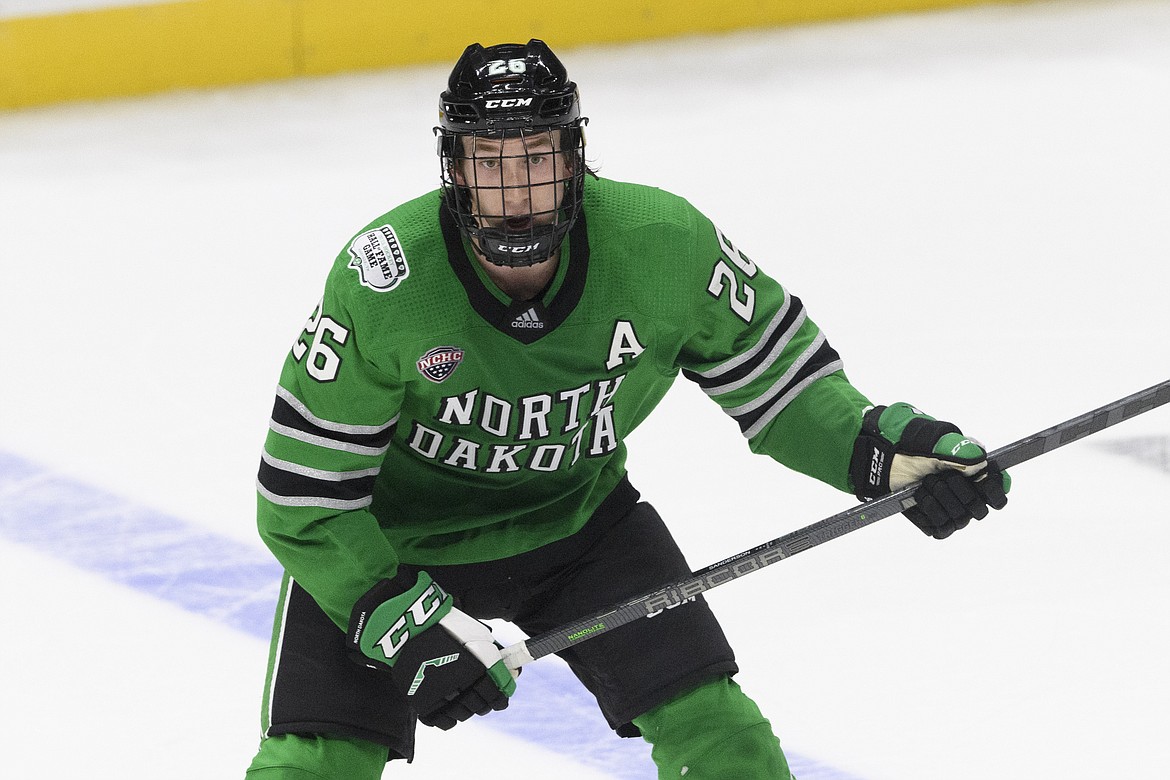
(525, 321)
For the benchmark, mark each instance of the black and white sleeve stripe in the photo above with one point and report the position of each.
(818, 360)
(292, 418)
(815, 361)
(749, 364)
(287, 483)
(291, 484)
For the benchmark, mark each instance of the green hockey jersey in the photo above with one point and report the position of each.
(424, 417)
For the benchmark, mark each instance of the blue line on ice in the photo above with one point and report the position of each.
(235, 584)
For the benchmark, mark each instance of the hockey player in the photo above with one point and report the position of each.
(447, 445)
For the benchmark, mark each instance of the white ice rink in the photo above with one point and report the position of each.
(974, 205)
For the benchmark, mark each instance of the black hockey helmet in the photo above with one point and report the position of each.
(512, 91)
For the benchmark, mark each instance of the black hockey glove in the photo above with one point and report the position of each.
(444, 661)
(899, 445)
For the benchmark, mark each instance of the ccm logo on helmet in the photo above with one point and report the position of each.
(508, 103)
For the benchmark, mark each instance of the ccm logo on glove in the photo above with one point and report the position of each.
(422, 610)
(900, 446)
(446, 662)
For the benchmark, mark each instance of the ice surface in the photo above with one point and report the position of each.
(972, 204)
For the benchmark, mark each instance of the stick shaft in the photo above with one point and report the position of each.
(820, 532)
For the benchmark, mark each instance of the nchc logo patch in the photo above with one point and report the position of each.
(438, 364)
(378, 258)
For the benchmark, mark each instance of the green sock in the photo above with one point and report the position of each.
(317, 757)
(713, 732)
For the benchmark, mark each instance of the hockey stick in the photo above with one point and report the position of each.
(830, 528)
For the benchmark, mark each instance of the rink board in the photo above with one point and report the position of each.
(76, 51)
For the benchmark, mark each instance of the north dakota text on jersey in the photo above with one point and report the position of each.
(555, 429)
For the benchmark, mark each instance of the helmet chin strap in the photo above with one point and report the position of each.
(535, 246)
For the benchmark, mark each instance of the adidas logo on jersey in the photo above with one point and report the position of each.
(528, 319)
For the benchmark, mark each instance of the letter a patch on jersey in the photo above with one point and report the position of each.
(377, 256)
(439, 362)
(623, 344)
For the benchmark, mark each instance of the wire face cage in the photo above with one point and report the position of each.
(515, 193)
